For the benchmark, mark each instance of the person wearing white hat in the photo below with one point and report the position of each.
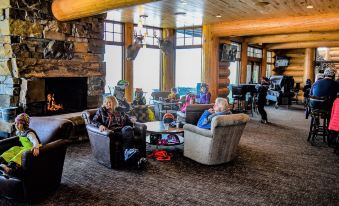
(326, 87)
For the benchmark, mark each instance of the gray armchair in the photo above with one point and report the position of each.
(106, 147)
(218, 145)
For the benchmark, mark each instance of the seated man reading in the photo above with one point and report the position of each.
(220, 108)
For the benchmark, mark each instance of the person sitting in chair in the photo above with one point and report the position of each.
(10, 160)
(173, 96)
(108, 117)
(327, 88)
(139, 98)
(220, 108)
(205, 95)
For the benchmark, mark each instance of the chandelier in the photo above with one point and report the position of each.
(141, 32)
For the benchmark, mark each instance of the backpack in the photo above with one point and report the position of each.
(131, 157)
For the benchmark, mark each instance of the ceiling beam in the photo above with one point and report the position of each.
(296, 37)
(65, 10)
(299, 45)
(318, 23)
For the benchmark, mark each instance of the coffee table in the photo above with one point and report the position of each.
(158, 128)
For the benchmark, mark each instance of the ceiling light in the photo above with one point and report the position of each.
(218, 16)
(309, 6)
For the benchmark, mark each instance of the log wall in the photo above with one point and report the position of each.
(295, 67)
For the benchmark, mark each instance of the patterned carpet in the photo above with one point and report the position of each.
(275, 166)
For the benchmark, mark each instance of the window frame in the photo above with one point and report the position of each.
(122, 33)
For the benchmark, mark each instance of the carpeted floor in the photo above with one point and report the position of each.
(275, 166)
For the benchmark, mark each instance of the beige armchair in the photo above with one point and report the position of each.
(218, 145)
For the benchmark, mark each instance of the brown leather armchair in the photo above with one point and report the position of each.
(41, 174)
(106, 148)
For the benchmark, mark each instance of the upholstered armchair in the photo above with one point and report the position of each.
(106, 147)
(193, 113)
(41, 174)
(218, 145)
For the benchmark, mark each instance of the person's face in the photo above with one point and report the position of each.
(19, 126)
(109, 104)
(216, 107)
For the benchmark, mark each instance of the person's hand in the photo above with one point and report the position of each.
(35, 151)
(102, 128)
(210, 110)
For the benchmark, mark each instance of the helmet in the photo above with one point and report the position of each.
(329, 72)
(168, 118)
(122, 84)
(23, 118)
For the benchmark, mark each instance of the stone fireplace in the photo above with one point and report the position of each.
(40, 55)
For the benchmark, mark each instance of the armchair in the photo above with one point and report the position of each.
(218, 145)
(106, 148)
(41, 174)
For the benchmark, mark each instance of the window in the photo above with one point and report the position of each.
(254, 52)
(188, 57)
(270, 63)
(113, 53)
(113, 59)
(188, 67)
(235, 66)
(189, 37)
(113, 32)
(146, 70)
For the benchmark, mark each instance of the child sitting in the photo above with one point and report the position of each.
(190, 99)
(173, 96)
(139, 98)
(10, 160)
(205, 95)
(220, 108)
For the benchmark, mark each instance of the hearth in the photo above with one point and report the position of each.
(65, 95)
(60, 95)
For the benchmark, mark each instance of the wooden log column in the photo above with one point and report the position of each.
(263, 62)
(128, 65)
(243, 71)
(210, 59)
(309, 59)
(65, 10)
(167, 72)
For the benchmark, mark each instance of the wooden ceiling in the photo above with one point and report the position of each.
(199, 12)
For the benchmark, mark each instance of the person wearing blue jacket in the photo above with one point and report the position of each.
(220, 108)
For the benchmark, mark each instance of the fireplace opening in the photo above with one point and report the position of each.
(65, 95)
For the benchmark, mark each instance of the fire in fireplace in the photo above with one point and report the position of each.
(51, 105)
(66, 95)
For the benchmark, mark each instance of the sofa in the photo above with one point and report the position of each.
(217, 145)
(106, 147)
(42, 174)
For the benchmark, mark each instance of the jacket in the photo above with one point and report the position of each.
(334, 121)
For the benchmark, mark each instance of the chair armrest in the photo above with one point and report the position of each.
(197, 130)
(42, 174)
(96, 131)
(140, 127)
(5, 144)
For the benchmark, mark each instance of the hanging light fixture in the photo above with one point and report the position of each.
(140, 32)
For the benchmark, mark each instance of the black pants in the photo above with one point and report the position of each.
(127, 137)
(262, 111)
